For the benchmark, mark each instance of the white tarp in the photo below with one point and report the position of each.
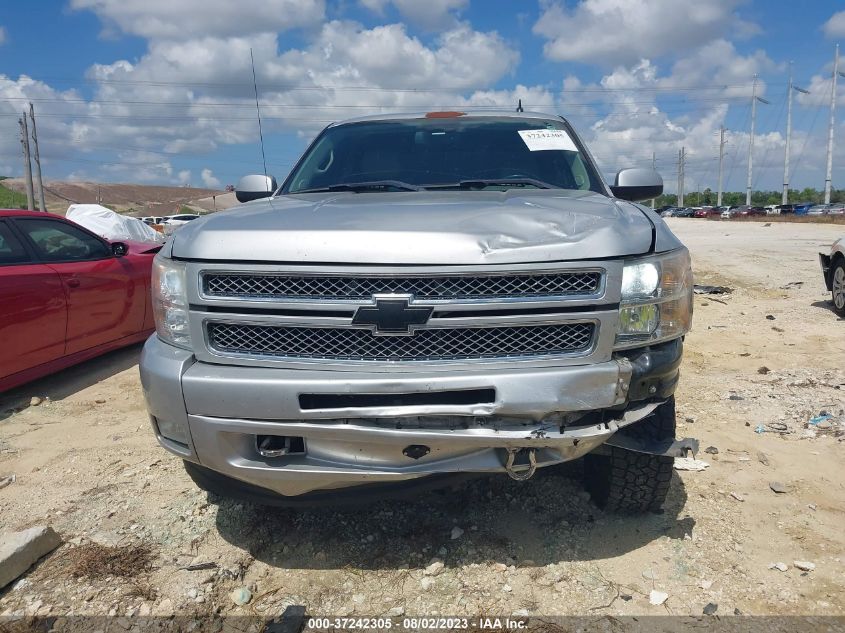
(110, 225)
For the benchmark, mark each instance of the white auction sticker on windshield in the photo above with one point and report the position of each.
(540, 140)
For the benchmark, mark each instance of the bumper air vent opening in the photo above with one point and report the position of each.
(311, 401)
(279, 445)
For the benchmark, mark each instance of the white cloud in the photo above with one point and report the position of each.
(429, 14)
(344, 53)
(209, 180)
(835, 26)
(178, 19)
(644, 28)
(717, 63)
(184, 177)
(819, 90)
(191, 97)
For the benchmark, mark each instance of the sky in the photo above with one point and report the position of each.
(161, 91)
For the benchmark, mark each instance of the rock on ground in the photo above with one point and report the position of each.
(19, 550)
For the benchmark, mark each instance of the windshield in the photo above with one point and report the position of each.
(444, 153)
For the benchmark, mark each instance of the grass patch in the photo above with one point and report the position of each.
(98, 561)
(10, 199)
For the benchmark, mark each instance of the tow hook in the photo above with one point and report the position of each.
(532, 464)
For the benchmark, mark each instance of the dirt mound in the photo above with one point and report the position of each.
(122, 197)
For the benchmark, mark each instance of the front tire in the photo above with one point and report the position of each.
(837, 293)
(627, 482)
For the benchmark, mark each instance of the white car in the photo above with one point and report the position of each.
(173, 222)
(833, 269)
(180, 219)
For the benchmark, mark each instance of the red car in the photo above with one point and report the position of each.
(66, 295)
(706, 212)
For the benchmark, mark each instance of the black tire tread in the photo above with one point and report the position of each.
(627, 482)
(839, 262)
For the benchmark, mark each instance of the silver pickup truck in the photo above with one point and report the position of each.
(425, 297)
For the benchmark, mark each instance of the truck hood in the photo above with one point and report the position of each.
(426, 227)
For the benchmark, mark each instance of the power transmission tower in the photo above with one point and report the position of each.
(681, 167)
(721, 159)
(41, 204)
(27, 166)
(789, 91)
(829, 175)
(754, 100)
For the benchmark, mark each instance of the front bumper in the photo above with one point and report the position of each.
(824, 261)
(212, 414)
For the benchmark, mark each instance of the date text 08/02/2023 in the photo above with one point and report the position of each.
(416, 623)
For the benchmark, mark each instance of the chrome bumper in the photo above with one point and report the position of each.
(215, 412)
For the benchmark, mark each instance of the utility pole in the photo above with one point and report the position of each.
(653, 168)
(829, 175)
(789, 90)
(27, 166)
(681, 158)
(679, 194)
(683, 174)
(41, 204)
(754, 100)
(721, 159)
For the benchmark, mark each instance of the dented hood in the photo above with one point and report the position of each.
(426, 227)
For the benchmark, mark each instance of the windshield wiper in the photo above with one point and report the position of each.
(370, 185)
(480, 183)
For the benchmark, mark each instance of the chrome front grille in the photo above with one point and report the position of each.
(438, 344)
(437, 287)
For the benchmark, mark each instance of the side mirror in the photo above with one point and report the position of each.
(637, 184)
(119, 249)
(254, 187)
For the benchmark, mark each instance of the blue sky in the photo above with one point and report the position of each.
(159, 90)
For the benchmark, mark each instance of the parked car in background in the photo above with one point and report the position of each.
(818, 209)
(686, 212)
(172, 223)
(706, 212)
(746, 211)
(729, 213)
(669, 212)
(785, 208)
(836, 209)
(66, 294)
(179, 219)
(833, 270)
(152, 220)
(802, 207)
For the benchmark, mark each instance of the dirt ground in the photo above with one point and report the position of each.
(767, 357)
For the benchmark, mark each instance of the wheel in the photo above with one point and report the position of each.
(837, 276)
(633, 483)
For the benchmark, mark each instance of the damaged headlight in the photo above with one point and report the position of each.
(170, 302)
(656, 299)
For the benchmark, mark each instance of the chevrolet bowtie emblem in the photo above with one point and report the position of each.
(394, 316)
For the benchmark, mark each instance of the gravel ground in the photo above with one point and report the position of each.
(767, 357)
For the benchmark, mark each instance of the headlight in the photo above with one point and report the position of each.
(170, 302)
(656, 299)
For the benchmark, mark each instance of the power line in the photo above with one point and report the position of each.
(296, 87)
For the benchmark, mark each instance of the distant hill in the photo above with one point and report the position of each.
(122, 197)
